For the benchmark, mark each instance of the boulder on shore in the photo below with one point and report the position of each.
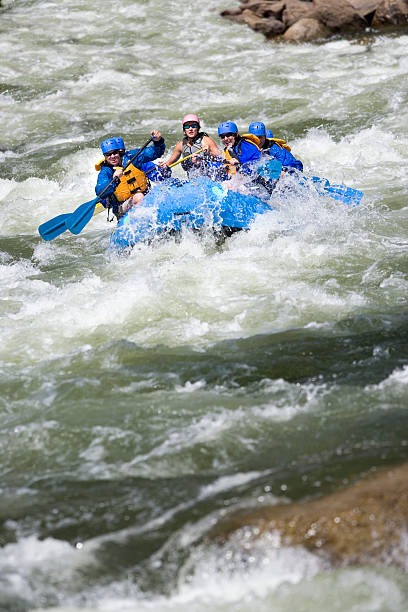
(317, 19)
(305, 30)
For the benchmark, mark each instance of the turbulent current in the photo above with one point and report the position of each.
(143, 397)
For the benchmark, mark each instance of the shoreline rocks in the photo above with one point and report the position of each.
(311, 20)
(366, 523)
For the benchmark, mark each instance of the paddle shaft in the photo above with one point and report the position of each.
(187, 157)
(179, 161)
(269, 185)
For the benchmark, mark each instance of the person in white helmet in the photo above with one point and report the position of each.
(194, 140)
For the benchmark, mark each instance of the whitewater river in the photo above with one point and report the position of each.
(143, 397)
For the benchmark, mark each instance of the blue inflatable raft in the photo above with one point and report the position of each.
(195, 204)
(199, 203)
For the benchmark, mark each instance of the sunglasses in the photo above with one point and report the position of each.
(110, 153)
(227, 135)
(187, 126)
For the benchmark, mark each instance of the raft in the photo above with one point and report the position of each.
(171, 206)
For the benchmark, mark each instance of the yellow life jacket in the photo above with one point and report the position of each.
(252, 139)
(131, 181)
(281, 143)
(227, 156)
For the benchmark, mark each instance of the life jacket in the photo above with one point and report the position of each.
(189, 149)
(269, 142)
(230, 153)
(196, 146)
(131, 181)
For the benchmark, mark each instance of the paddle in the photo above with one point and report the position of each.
(77, 220)
(54, 227)
(84, 213)
(101, 208)
(348, 195)
(186, 157)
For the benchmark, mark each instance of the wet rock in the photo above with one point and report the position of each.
(306, 30)
(274, 27)
(295, 10)
(232, 13)
(338, 16)
(253, 20)
(277, 17)
(365, 8)
(268, 27)
(365, 523)
(391, 13)
(266, 9)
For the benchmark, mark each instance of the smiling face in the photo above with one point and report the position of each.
(228, 140)
(114, 158)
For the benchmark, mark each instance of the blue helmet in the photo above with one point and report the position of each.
(110, 144)
(227, 127)
(269, 134)
(257, 128)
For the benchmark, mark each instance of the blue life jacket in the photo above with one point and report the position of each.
(281, 154)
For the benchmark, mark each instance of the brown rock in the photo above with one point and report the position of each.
(363, 524)
(269, 27)
(266, 9)
(391, 13)
(306, 30)
(273, 27)
(231, 13)
(338, 15)
(252, 19)
(295, 10)
(365, 8)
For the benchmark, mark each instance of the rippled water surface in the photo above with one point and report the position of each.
(143, 397)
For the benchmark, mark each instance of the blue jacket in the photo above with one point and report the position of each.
(282, 155)
(155, 173)
(247, 152)
(105, 175)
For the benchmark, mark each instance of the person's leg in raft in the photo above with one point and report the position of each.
(130, 202)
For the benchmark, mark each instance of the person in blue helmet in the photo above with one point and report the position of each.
(239, 152)
(274, 147)
(240, 156)
(132, 183)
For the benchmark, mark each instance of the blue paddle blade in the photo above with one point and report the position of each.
(54, 227)
(348, 195)
(81, 216)
(320, 182)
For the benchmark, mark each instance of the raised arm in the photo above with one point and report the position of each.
(174, 156)
(210, 146)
